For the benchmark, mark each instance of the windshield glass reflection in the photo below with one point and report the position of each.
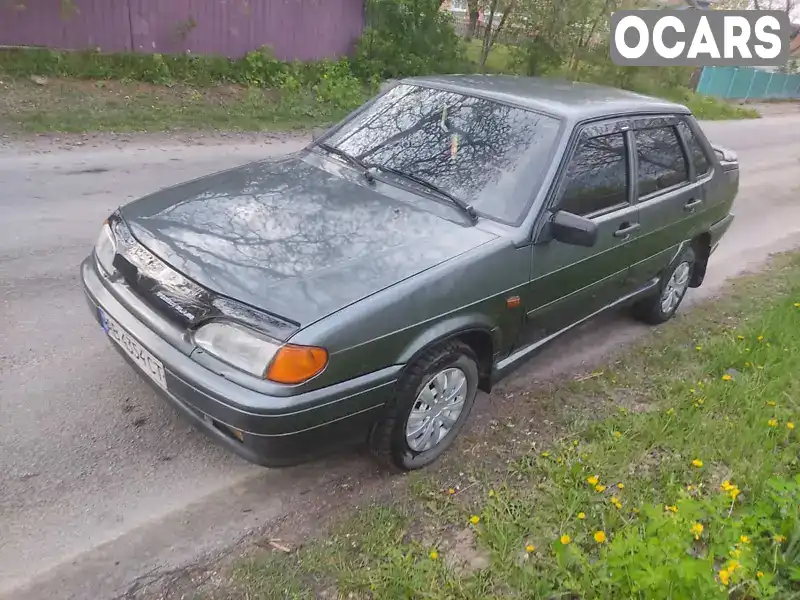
(491, 155)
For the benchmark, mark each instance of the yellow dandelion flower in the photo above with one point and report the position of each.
(698, 348)
(617, 434)
(599, 536)
(671, 508)
(451, 491)
(621, 486)
(726, 377)
(772, 403)
(734, 492)
(760, 338)
(575, 442)
(671, 411)
(593, 480)
(797, 304)
(700, 401)
(689, 487)
(530, 548)
(779, 539)
(735, 553)
(615, 501)
(434, 555)
(697, 463)
(759, 574)
(697, 530)
(739, 337)
(724, 577)
(491, 494)
(581, 515)
(565, 539)
(635, 511)
(600, 488)
(545, 454)
(789, 425)
(727, 485)
(733, 565)
(744, 539)
(474, 519)
(772, 422)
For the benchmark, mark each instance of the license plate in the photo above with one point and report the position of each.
(148, 363)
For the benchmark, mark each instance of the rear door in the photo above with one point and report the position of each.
(568, 283)
(669, 191)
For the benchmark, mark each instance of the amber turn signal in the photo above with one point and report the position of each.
(296, 364)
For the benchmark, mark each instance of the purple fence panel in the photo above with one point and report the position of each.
(83, 24)
(294, 29)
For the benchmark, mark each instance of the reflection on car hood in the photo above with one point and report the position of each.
(291, 238)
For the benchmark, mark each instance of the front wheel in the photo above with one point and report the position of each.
(674, 284)
(431, 404)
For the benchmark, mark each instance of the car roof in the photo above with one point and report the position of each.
(565, 99)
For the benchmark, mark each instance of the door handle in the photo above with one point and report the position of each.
(692, 204)
(626, 229)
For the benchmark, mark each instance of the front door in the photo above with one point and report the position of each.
(569, 283)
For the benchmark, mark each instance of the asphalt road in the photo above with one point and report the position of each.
(100, 481)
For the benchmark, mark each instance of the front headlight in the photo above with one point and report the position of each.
(105, 248)
(258, 355)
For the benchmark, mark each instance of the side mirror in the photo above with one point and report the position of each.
(317, 133)
(572, 229)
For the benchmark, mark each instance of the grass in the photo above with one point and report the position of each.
(681, 484)
(90, 91)
(498, 61)
(80, 106)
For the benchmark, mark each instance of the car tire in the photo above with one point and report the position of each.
(392, 441)
(672, 288)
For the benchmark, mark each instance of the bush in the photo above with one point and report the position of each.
(407, 37)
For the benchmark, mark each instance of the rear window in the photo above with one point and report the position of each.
(701, 164)
(661, 160)
(489, 154)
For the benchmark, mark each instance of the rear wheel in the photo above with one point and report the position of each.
(660, 307)
(431, 404)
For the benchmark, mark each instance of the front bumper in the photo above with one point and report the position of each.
(274, 430)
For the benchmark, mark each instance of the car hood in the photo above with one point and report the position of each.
(291, 238)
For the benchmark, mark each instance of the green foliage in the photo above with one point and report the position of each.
(407, 37)
(537, 56)
(698, 551)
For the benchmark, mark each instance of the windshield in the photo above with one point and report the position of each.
(490, 155)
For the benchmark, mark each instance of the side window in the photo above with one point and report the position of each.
(596, 177)
(661, 160)
(701, 164)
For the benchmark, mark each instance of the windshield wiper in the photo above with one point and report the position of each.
(356, 162)
(464, 206)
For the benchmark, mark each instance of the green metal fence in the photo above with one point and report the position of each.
(747, 84)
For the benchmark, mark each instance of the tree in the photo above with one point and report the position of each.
(474, 11)
(491, 32)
